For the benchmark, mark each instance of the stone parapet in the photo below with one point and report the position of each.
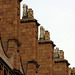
(29, 20)
(47, 42)
(62, 61)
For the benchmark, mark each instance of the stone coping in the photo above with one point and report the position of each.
(29, 20)
(46, 42)
(61, 61)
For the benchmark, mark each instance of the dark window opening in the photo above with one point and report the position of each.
(5, 73)
(1, 66)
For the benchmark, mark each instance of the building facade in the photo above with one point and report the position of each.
(21, 53)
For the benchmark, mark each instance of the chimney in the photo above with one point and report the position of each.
(61, 54)
(25, 11)
(42, 33)
(56, 53)
(74, 70)
(47, 35)
(30, 13)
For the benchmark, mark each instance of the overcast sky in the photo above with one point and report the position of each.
(58, 17)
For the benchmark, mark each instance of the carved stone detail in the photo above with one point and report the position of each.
(25, 11)
(30, 13)
(56, 53)
(61, 54)
(42, 33)
(47, 35)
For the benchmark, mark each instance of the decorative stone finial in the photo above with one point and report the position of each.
(56, 53)
(30, 13)
(42, 31)
(47, 35)
(25, 11)
(69, 71)
(74, 70)
(61, 54)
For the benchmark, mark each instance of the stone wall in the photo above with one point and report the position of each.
(28, 37)
(60, 67)
(19, 39)
(45, 57)
(9, 20)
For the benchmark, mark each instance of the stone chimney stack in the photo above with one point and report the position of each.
(25, 11)
(47, 35)
(56, 53)
(69, 71)
(42, 33)
(61, 54)
(30, 13)
(74, 70)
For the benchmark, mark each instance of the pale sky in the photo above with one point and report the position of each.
(58, 17)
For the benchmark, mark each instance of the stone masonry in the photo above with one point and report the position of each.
(21, 53)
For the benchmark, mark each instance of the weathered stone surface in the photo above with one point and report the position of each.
(60, 67)
(69, 71)
(61, 54)
(28, 36)
(45, 57)
(30, 13)
(47, 35)
(56, 53)
(42, 33)
(25, 11)
(20, 41)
